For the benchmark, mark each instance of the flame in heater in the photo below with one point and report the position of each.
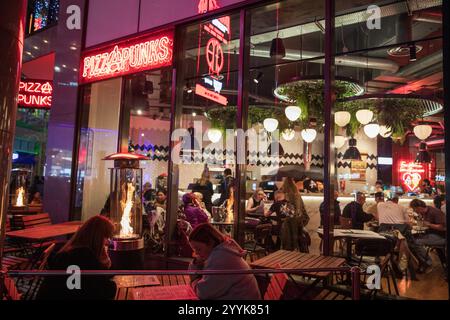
(20, 196)
(126, 230)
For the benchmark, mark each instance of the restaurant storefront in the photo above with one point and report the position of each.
(244, 87)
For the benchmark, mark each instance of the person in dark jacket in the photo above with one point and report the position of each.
(354, 210)
(225, 187)
(205, 187)
(337, 210)
(87, 249)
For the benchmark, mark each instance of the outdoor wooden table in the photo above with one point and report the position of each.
(351, 234)
(42, 233)
(298, 260)
(124, 293)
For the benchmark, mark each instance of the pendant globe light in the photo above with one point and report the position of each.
(270, 124)
(293, 112)
(339, 141)
(372, 130)
(352, 152)
(364, 116)
(422, 131)
(214, 135)
(309, 135)
(342, 118)
(288, 134)
(385, 132)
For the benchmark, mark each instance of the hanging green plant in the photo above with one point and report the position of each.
(309, 95)
(225, 118)
(397, 114)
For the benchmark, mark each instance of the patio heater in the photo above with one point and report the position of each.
(19, 188)
(126, 210)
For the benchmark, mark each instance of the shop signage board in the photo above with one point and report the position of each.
(134, 55)
(217, 34)
(35, 94)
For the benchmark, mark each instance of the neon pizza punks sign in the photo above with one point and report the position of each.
(130, 56)
(35, 94)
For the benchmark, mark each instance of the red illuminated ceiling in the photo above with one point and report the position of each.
(40, 68)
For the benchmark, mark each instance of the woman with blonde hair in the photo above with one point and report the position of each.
(205, 187)
(88, 250)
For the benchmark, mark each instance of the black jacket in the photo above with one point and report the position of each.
(355, 211)
(225, 194)
(92, 287)
(337, 212)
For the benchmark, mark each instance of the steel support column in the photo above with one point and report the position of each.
(328, 152)
(12, 28)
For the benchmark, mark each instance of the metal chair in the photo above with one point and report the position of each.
(260, 241)
(376, 249)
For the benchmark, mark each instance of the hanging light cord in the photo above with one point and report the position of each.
(278, 16)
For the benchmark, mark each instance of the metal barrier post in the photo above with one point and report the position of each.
(356, 285)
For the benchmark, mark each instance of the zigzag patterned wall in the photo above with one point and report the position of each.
(372, 161)
(218, 156)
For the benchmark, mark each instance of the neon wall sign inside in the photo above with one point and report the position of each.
(35, 94)
(218, 35)
(411, 174)
(130, 56)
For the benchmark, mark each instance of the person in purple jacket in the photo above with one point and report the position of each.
(194, 214)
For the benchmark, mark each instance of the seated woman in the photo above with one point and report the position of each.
(279, 211)
(215, 251)
(192, 211)
(36, 200)
(87, 249)
(161, 199)
(255, 204)
(202, 204)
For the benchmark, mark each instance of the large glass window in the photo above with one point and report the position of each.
(98, 139)
(207, 107)
(390, 140)
(285, 115)
(145, 130)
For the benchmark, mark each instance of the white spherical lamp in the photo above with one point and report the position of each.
(342, 118)
(214, 135)
(293, 112)
(422, 131)
(372, 130)
(364, 116)
(288, 134)
(270, 124)
(385, 132)
(309, 135)
(339, 141)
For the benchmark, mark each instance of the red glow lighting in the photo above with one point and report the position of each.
(35, 94)
(130, 56)
(207, 5)
(211, 95)
(412, 174)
